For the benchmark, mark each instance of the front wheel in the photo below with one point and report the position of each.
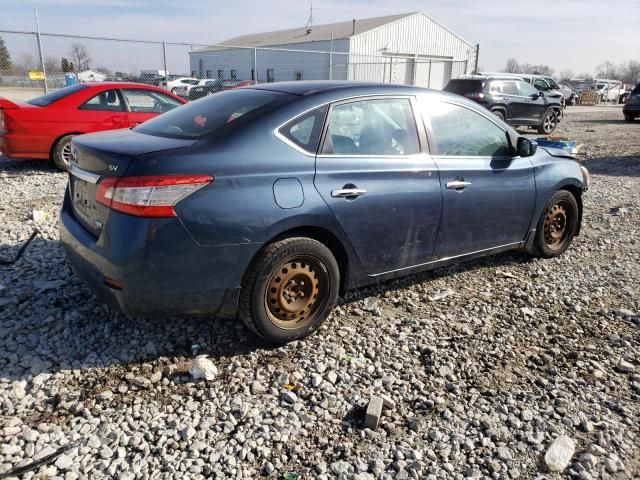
(628, 118)
(498, 114)
(548, 123)
(62, 153)
(557, 225)
(289, 289)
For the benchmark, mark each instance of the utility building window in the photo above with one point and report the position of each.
(220, 74)
(253, 74)
(270, 75)
(234, 75)
(298, 75)
(208, 73)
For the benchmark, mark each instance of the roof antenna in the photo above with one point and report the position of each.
(309, 24)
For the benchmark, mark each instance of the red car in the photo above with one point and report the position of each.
(43, 127)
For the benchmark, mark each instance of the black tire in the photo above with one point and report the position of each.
(284, 309)
(628, 118)
(62, 153)
(548, 123)
(557, 225)
(499, 114)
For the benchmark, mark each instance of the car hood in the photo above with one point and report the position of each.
(557, 152)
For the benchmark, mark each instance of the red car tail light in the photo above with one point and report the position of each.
(150, 196)
(475, 95)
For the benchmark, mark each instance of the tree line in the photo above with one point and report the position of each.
(626, 72)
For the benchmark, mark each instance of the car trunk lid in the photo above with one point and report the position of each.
(103, 155)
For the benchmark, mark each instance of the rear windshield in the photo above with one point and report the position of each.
(56, 95)
(463, 86)
(213, 114)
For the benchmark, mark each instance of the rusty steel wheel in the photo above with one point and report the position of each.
(289, 289)
(295, 292)
(557, 225)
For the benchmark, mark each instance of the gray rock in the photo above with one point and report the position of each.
(559, 453)
(373, 413)
(288, 397)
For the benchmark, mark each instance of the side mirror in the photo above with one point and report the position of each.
(525, 147)
(537, 95)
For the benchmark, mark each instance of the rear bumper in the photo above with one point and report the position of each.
(633, 109)
(10, 146)
(162, 270)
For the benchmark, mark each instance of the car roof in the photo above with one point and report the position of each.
(121, 85)
(310, 87)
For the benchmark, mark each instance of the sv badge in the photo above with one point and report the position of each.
(113, 168)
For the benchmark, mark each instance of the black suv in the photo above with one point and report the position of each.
(516, 102)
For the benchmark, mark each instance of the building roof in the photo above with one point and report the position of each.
(337, 31)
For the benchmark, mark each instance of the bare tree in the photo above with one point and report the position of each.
(80, 56)
(512, 66)
(607, 70)
(630, 72)
(24, 63)
(565, 75)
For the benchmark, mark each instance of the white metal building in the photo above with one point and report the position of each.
(409, 48)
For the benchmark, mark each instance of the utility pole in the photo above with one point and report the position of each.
(44, 80)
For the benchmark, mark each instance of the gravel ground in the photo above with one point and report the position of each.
(481, 366)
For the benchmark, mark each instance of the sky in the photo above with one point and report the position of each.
(564, 34)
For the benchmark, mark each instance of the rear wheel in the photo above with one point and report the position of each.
(557, 225)
(289, 290)
(62, 153)
(548, 123)
(628, 118)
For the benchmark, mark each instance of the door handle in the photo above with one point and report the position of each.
(348, 193)
(458, 185)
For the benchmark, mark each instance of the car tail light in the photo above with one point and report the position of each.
(151, 196)
(475, 95)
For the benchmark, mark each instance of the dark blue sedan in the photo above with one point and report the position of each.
(266, 203)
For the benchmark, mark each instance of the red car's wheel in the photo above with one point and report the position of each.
(62, 153)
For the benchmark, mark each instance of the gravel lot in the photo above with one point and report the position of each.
(482, 364)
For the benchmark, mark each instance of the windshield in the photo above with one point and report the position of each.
(552, 83)
(213, 114)
(56, 95)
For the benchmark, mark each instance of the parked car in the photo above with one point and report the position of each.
(214, 86)
(569, 94)
(631, 108)
(542, 83)
(268, 202)
(514, 101)
(172, 84)
(204, 88)
(42, 128)
(185, 89)
(610, 90)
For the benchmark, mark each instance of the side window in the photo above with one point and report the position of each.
(148, 101)
(107, 101)
(526, 90)
(510, 88)
(305, 130)
(496, 87)
(541, 85)
(459, 131)
(372, 127)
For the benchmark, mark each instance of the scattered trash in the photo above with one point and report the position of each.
(370, 304)
(374, 412)
(194, 348)
(442, 294)
(506, 274)
(562, 143)
(40, 216)
(617, 211)
(293, 388)
(21, 249)
(18, 471)
(44, 285)
(409, 321)
(290, 476)
(528, 312)
(353, 359)
(202, 367)
(559, 453)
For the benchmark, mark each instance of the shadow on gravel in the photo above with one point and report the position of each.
(626, 166)
(51, 321)
(26, 167)
(603, 121)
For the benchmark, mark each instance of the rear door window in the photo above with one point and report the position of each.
(510, 88)
(108, 101)
(526, 90)
(372, 127)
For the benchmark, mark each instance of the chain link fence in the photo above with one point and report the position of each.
(32, 64)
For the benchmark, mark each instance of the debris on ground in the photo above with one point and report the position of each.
(202, 367)
(559, 453)
(374, 412)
